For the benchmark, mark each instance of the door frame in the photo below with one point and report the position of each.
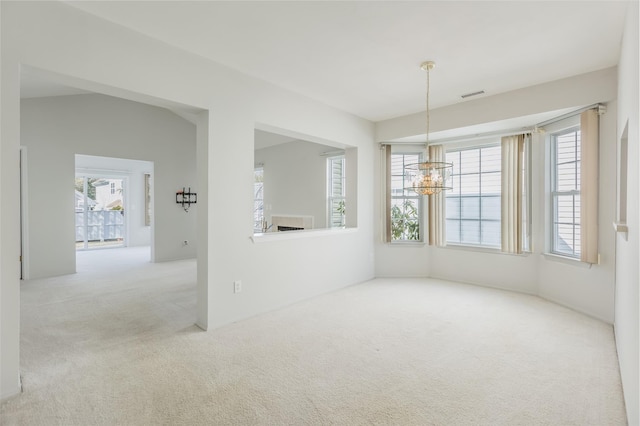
(124, 176)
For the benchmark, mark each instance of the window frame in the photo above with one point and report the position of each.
(258, 219)
(469, 147)
(331, 197)
(408, 194)
(554, 194)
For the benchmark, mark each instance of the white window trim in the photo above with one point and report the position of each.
(421, 152)
(256, 168)
(471, 145)
(551, 130)
(330, 197)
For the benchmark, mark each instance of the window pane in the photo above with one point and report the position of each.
(566, 177)
(476, 197)
(397, 183)
(470, 184)
(454, 157)
(491, 159)
(491, 183)
(566, 196)
(405, 205)
(491, 207)
(258, 198)
(470, 232)
(470, 161)
(491, 233)
(565, 242)
(453, 231)
(453, 208)
(470, 207)
(455, 183)
(564, 209)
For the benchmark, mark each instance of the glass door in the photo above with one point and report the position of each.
(99, 212)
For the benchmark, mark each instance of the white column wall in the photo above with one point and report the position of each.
(9, 222)
(627, 299)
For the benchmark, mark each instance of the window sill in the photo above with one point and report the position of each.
(567, 260)
(407, 243)
(294, 235)
(480, 249)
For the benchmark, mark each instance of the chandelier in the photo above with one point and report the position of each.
(428, 177)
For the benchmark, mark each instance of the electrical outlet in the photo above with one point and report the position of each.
(237, 286)
(185, 243)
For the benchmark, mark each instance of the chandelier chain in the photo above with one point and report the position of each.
(427, 103)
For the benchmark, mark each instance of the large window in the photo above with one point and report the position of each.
(336, 191)
(565, 192)
(473, 206)
(405, 205)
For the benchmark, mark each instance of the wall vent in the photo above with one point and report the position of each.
(468, 95)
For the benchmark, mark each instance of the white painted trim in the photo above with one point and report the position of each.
(294, 235)
(620, 227)
(24, 213)
(109, 174)
(567, 260)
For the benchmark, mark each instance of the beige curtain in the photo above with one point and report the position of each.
(437, 228)
(589, 129)
(386, 165)
(512, 188)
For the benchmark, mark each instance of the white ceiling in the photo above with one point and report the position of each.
(363, 57)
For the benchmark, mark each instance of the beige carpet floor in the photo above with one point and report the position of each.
(115, 345)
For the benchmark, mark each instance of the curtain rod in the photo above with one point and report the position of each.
(601, 110)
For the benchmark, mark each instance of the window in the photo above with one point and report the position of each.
(406, 208)
(336, 192)
(258, 198)
(565, 192)
(473, 207)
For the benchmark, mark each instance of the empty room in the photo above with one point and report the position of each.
(349, 212)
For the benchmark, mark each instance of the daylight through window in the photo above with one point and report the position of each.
(565, 193)
(405, 205)
(258, 198)
(473, 206)
(336, 191)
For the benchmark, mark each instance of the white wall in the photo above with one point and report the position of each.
(590, 290)
(138, 233)
(54, 129)
(627, 300)
(295, 176)
(101, 56)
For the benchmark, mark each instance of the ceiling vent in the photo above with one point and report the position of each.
(468, 95)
